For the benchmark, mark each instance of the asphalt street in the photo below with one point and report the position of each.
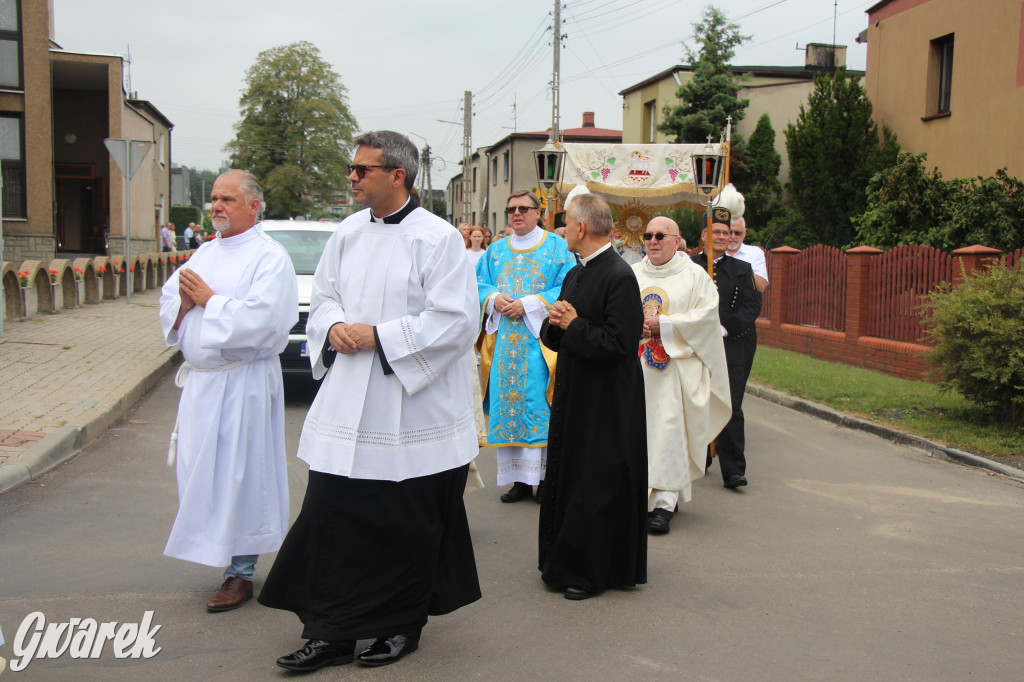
(846, 558)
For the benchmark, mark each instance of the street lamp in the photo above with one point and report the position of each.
(549, 161)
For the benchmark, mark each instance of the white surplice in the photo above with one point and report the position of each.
(232, 483)
(412, 281)
(686, 382)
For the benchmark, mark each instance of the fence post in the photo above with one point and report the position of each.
(779, 289)
(972, 260)
(858, 291)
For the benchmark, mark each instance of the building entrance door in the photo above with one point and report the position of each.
(78, 230)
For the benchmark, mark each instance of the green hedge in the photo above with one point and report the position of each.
(181, 216)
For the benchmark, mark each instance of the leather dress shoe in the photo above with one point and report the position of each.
(387, 650)
(232, 594)
(317, 654)
(518, 491)
(658, 520)
(578, 593)
(735, 481)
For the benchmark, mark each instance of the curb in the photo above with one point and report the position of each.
(65, 443)
(848, 421)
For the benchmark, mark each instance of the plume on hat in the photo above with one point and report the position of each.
(575, 192)
(731, 199)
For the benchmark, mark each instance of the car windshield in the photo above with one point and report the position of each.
(304, 246)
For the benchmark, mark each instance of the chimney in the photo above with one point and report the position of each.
(824, 56)
(588, 119)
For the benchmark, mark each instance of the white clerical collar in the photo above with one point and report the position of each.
(375, 219)
(527, 241)
(584, 261)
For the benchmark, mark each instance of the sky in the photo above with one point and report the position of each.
(406, 63)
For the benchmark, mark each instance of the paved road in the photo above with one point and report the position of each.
(847, 558)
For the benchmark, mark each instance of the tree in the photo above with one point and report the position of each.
(764, 163)
(296, 130)
(834, 148)
(709, 98)
(200, 184)
(907, 205)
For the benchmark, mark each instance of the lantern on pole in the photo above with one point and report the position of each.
(707, 174)
(549, 162)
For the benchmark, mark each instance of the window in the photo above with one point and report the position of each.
(474, 179)
(940, 76)
(504, 161)
(10, 45)
(12, 161)
(650, 121)
(494, 171)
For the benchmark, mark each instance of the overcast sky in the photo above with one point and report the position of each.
(407, 63)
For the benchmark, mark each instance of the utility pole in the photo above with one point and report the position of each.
(467, 152)
(426, 172)
(555, 77)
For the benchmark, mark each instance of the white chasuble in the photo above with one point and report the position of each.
(412, 282)
(686, 383)
(232, 483)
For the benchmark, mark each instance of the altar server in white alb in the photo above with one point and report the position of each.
(382, 541)
(686, 381)
(230, 309)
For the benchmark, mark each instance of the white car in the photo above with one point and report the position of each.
(305, 241)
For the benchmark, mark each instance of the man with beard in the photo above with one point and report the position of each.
(230, 310)
(593, 515)
(382, 541)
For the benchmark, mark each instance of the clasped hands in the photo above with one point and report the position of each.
(193, 290)
(561, 314)
(349, 338)
(512, 309)
(652, 327)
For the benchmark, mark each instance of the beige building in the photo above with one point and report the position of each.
(62, 191)
(774, 90)
(508, 166)
(948, 77)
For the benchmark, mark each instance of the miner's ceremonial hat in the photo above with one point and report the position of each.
(721, 216)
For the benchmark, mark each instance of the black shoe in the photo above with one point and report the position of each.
(735, 481)
(578, 593)
(518, 491)
(387, 650)
(658, 520)
(540, 489)
(317, 654)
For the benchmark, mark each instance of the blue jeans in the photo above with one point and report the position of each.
(242, 566)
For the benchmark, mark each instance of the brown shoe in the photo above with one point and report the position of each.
(232, 594)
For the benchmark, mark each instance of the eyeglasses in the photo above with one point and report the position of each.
(720, 233)
(648, 236)
(512, 210)
(738, 233)
(360, 169)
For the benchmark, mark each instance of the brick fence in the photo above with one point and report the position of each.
(862, 307)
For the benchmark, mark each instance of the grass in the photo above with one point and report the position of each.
(918, 407)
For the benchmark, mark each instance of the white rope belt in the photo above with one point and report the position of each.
(179, 381)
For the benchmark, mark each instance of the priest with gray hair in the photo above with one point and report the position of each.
(593, 515)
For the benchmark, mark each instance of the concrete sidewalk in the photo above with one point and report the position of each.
(65, 378)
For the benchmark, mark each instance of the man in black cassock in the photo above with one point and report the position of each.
(382, 541)
(739, 304)
(593, 515)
